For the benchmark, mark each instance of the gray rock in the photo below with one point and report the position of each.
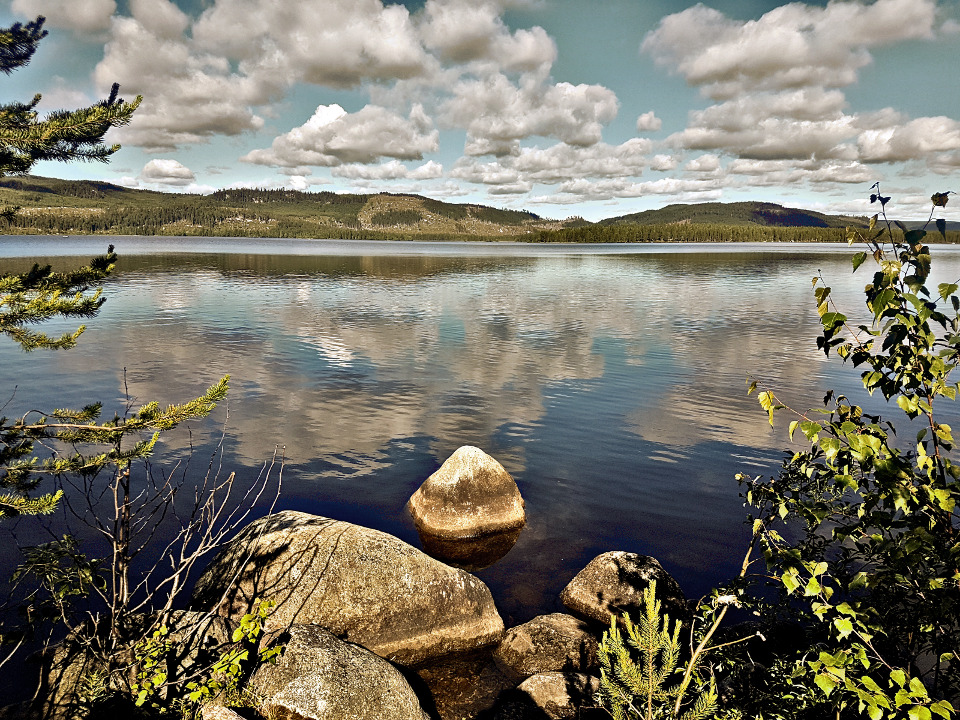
(613, 583)
(362, 585)
(560, 695)
(320, 677)
(218, 712)
(464, 686)
(470, 496)
(551, 696)
(549, 643)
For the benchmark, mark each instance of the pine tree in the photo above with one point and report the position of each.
(63, 135)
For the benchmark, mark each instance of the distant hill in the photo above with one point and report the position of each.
(739, 213)
(53, 206)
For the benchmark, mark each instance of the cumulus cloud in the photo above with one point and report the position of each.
(794, 45)
(392, 170)
(777, 81)
(464, 31)
(649, 122)
(333, 137)
(577, 191)
(917, 138)
(556, 164)
(339, 43)
(188, 97)
(167, 172)
(82, 16)
(497, 114)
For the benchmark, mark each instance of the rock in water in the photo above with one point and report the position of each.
(362, 585)
(470, 496)
(613, 583)
(548, 643)
(322, 678)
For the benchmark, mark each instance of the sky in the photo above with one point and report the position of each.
(590, 108)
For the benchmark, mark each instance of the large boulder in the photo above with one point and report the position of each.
(470, 496)
(319, 677)
(549, 643)
(613, 583)
(362, 585)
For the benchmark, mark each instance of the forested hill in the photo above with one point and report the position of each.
(738, 213)
(52, 206)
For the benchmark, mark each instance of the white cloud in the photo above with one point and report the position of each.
(167, 172)
(663, 163)
(585, 190)
(498, 114)
(704, 164)
(188, 97)
(649, 122)
(792, 46)
(556, 164)
(85, 16)
(463, 31)
(918, 138)
(392, 170)
(333, 137)
(338, 43)
(63, 95)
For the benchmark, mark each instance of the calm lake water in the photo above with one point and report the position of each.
(608, 380)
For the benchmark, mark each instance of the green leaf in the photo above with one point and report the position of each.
(858, 260)
(844, 626)
(826, 682)
(898, 676)
(790, 581)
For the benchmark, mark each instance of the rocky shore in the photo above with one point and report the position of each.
(374, 628)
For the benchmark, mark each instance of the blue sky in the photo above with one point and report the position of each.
(561, 107)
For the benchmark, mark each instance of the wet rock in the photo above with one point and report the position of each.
(470, 496)
(362, 585)
(549, 643)
(463, 686)
(320, 677)
(613, 583)
(551, 696)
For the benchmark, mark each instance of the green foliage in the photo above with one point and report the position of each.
(41, 294)
(63, 135)
(869, 548)
(396, 217)
(649, 688)
(223, 679)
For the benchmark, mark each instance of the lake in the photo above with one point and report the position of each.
(610, 381)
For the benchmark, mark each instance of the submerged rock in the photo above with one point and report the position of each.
(362, 585)
(613, 583)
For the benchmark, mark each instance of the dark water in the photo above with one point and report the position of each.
(609, 381)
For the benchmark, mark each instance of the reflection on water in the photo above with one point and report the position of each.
(610, 385)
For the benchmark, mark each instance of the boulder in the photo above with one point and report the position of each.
(464, 686)
(560, 695)
(218, 712)
(319, 677)
(549, 643)
(613, 583)
(362, 585)
(551, 696)
(470, 496)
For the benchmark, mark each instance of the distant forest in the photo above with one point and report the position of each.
(35, 205)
